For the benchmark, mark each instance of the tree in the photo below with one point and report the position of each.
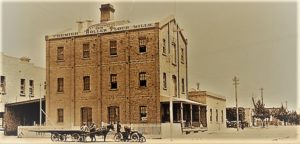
(231, 114)
(293, 117)
(282, 114)
(260, 111)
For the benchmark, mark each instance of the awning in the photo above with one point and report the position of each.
(183, 100)
(24, 102)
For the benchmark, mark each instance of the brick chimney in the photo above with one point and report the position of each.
(107, 12)
(80, 26)
(25, 59)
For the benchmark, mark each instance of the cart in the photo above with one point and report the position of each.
(63, 135)
(75, 135)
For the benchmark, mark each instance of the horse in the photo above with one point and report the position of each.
(103, 131)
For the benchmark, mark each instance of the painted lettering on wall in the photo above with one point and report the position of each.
(99, 28)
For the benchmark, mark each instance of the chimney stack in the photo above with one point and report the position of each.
(88, 23)
(80, 26)
(107, 12)
(25, 59)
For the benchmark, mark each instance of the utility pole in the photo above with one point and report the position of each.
(262, 95)
(171, 118)
(198, 86)
(235, 80)
(285, 104)
(40, 105)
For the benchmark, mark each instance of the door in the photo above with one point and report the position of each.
(86, 115)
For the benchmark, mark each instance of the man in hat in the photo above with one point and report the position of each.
(92, 132)
(118, 127)
(85, 129)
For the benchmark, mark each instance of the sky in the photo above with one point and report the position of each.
(255, 41)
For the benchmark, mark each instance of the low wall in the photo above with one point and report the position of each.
(166, 132)
(149, 130)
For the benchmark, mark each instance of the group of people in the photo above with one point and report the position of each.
(91, 129)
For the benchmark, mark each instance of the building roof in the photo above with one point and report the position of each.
(206, 93)
(112, 26)
(25, 102)
(176, 99)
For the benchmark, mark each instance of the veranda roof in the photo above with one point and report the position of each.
(176, 99)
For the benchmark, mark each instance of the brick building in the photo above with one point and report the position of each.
(116, 71)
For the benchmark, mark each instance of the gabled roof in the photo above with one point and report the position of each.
(168, 19)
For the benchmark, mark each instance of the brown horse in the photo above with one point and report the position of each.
(104, 131)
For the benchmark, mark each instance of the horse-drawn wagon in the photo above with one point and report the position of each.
(81, 135)
(75, 135)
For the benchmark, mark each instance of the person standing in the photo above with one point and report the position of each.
(85, 129)
(119, 127)
(92, 132)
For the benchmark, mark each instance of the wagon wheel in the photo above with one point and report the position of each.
(135, 137)
(75, 137)
(62, 137)
(142, 139)
(118, 137)
(55, 136)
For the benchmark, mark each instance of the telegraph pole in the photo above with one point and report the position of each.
(235, 80)
(286, 104)
(40, 105)
(262, 95)
(198, 86)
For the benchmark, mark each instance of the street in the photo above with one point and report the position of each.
(280, 135)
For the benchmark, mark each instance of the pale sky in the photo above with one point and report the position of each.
(256, 41)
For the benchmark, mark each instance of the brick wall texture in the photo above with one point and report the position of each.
(128, 63)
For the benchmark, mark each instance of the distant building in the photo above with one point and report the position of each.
(245, 115)
(214, 117)
(273, 120)
(20, 82)
(249, 116)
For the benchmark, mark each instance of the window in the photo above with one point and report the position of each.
(222, 116)
(60, 53)
(164, 46)
(60, 84)
(86, 50)
(113, 81)
(2, 85)
(142, 78)
(86, 83)
(182, 55)
(113, 48)
(113, 114)
(182, 86)
(210, 114)
(22, 87)
(217, 115)
(143, 113)
(174, 53)
(164, 81)
(175, 85)
(31, 88)
(142, 44)
(60, 115)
